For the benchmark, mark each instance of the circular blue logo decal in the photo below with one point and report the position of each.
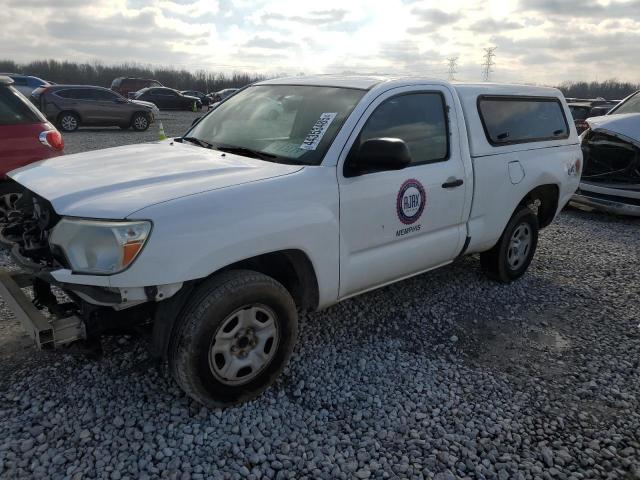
(411, 201)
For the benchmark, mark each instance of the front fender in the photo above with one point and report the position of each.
(197, 235)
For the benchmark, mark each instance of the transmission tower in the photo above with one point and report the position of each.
(453, 62)
(487, 66)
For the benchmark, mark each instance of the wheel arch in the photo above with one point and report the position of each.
(291, 267)
(543, 200)
(143, 112)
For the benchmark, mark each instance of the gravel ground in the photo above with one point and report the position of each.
(95, 138)
(446, 375)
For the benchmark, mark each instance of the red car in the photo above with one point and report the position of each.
(25, 137)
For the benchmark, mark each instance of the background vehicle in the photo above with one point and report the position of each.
(168, 99)
(355, 183)
(600, 110)
(25, 84)
(206, 101)
(72, 106)
(631, 104)
(580, 112)
(25, 137)
(611, 149)
(222, 94)
(127, 86)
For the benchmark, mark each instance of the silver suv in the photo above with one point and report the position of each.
(72, 106)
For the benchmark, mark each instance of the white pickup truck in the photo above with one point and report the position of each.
(292, 194)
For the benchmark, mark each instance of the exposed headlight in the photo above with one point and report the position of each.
(99, 247)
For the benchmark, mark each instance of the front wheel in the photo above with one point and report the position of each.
(509, 259)
(140, 122)
(234, 337)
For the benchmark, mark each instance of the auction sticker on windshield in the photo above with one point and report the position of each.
(284, 149)
(314, 137)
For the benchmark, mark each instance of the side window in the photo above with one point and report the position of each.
(73, 93)
(418, 119)
(632, 105)
(104, 96)
(86, 94)
(14, 110)
(509, 120)
(19, 82)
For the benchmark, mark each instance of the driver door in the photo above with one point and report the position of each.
(395, 224)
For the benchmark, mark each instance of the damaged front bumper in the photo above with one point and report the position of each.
(48, 333)
(611, 175)
(77, 306)
(610, 200)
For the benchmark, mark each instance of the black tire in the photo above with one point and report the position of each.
(140, 122)
(68, 122)
(496, 262)
(210, 306)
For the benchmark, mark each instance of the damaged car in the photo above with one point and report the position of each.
(611, 151)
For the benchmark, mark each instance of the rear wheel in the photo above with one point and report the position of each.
(233, 338)
(509, 259)
(68, 122)
(140, 122)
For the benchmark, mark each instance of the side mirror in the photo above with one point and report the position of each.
(377, 155)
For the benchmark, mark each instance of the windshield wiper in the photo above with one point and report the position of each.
(247, 152)
(196, 141)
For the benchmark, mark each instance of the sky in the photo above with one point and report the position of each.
(537, 41)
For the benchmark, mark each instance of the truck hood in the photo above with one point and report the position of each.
(116, 182)
(625, 126)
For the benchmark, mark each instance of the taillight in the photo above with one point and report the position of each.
(39, 91)
(581, 126)
(52, 139)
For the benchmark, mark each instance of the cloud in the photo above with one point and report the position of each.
(545, 41)
(431, 20)
(318, 17)
(583, 8)
(490, 25)
(114, 28)
(435, 16)
(265, 42)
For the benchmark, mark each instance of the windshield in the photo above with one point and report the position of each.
(291, 124)
(631, 105)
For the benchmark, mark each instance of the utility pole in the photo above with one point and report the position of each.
(487, 66)
(452, 61)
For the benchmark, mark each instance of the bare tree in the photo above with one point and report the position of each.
(102, 75)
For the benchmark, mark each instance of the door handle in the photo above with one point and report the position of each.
(453, 183)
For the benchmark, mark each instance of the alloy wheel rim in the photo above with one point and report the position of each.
(244, 344)
(69, 122)
(140, 122)
(8, 204)
(519, 246)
